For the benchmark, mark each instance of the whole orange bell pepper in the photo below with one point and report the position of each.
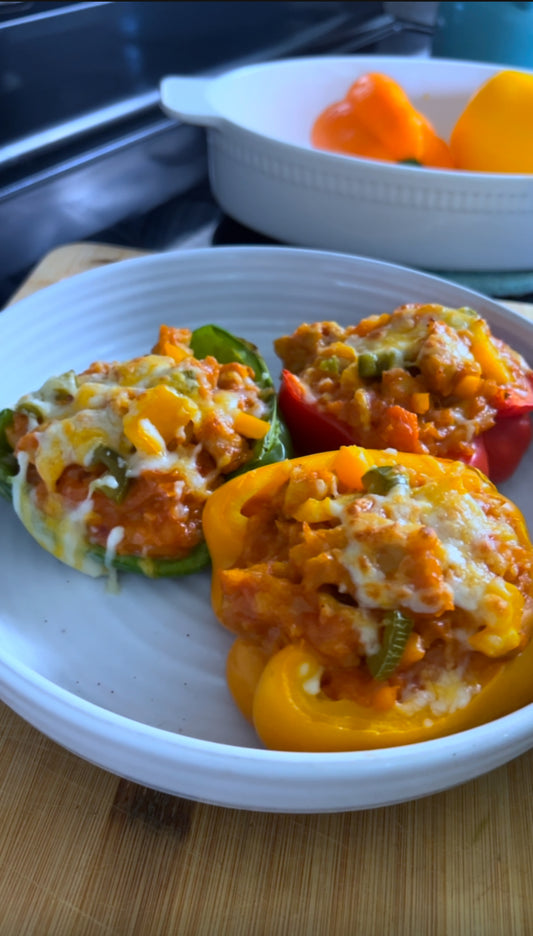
(376, 120)
(278, 667)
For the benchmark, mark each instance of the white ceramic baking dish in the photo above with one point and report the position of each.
(265, 173)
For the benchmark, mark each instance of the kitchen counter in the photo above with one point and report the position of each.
(85, 852)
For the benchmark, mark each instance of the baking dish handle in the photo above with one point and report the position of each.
(187, 98)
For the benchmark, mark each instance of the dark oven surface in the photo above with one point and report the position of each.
(86, 152)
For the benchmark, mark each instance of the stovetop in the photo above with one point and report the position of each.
(86, 152)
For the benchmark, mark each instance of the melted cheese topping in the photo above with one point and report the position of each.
(448, 693)
(388, 537)
(405, 335)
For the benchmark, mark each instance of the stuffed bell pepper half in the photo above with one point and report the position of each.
(112, 467)
(425, 379)
(377, 598)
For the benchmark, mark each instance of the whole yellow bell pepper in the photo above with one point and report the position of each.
(494, 133)
(279, 688)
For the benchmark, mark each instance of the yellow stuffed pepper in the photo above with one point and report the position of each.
(378, 599)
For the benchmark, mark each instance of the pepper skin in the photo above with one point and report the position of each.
(308, 424)
(494, 133)
(289, 718)
(280, 692)
(376, 120)
(497, 452)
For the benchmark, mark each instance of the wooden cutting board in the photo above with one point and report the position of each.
(84, 852)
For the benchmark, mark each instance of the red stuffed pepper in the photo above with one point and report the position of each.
(425, 379)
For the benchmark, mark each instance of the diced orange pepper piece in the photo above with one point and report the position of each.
(420, 403)
(155, 417)
(468, 385)
(177, 352)
(250, 426)
(413, 651)
(487, 355)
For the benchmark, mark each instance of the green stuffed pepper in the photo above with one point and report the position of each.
(111, 468)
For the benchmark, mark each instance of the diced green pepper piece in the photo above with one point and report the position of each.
(390, 358)
(398, 626)
(330, 364)
(373, 363)
(383, 479)
(59, 389)
(117, 468)
(33, 408)
(367, 364)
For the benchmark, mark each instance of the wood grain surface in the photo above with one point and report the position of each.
(84, 853)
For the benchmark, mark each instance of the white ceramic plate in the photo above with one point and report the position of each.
(134, 682)
(265, 173)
